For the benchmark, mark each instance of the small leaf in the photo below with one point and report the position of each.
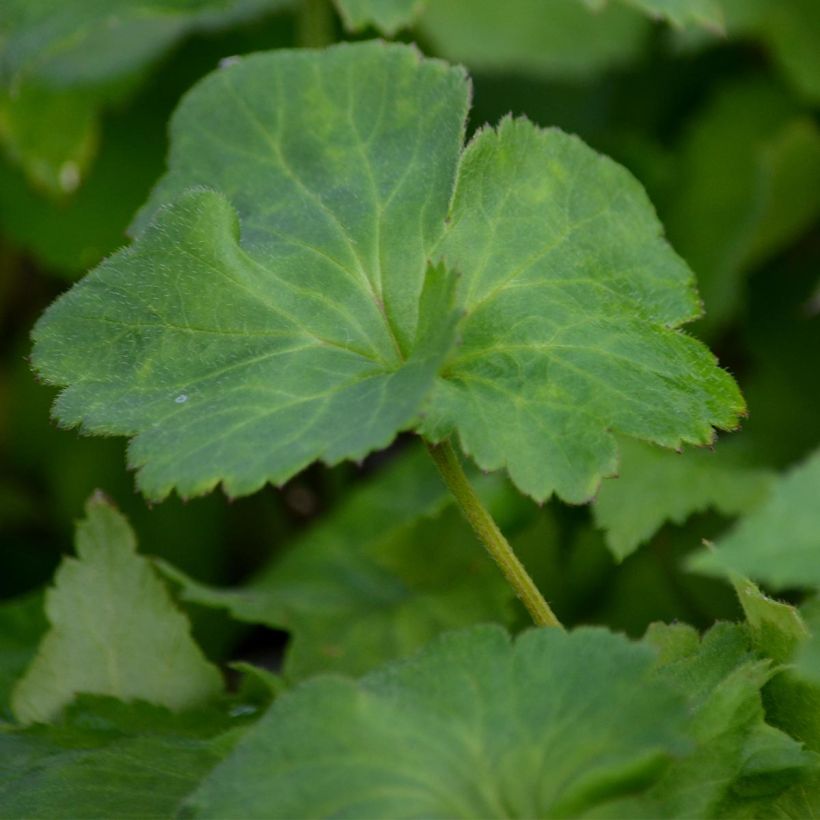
(779, 543)
(114, 630)
(655, 486)
(474, 726)
(387, 15)
(682, 13)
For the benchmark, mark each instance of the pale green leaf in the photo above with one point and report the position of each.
(779, 543)
(381, 575)
(281, 308)
(106, 759)
(474, 726)
(387, 15)
(548, 38)
(114, 630)
(572, 299)
(655, 486)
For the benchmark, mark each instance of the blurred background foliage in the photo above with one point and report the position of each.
(714, 111)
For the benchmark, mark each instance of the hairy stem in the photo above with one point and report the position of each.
(315, 24)
(486, 529)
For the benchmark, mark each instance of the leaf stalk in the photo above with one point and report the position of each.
(484, 526)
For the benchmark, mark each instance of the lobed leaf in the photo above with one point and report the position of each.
(281, 306)
(114, 630)
(475, 725)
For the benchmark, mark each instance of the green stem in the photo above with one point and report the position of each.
(315, 24)
(488, 533)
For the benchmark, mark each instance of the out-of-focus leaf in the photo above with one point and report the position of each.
(552, 724)
(558, 38)
(655, 486)
(114, 630)
(106, 759)
(387, 15)
(51, 135)
(73, 233)
(680, 13)
(808, 655)
(390, 569)
(749, 183)
(779, 543)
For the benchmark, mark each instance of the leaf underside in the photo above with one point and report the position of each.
(296, 278)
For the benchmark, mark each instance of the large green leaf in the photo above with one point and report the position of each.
(655, 486)
(114, 630)
(376, 579)
(280, 308)
(106, 759)
(778, 543)
(474, 726)
(556, 38)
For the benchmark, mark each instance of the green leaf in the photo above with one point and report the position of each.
(791, 31)
(655, 486)
(51, 135)
(106, 759)
(779, 543)
(301, 338)
(88, 43)
(474, 726)
(288, 312)
(387, 15)
(556, 39)
(114, 630)
(778, 631)
(392, 567)
(22, 624)
(572, 300)
(807, 662)
(749, 185)
(682, 13)
(735, 749)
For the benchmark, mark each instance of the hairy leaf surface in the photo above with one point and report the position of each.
(280, 307)
(474, 726)
(114, 630)
(778, 543)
